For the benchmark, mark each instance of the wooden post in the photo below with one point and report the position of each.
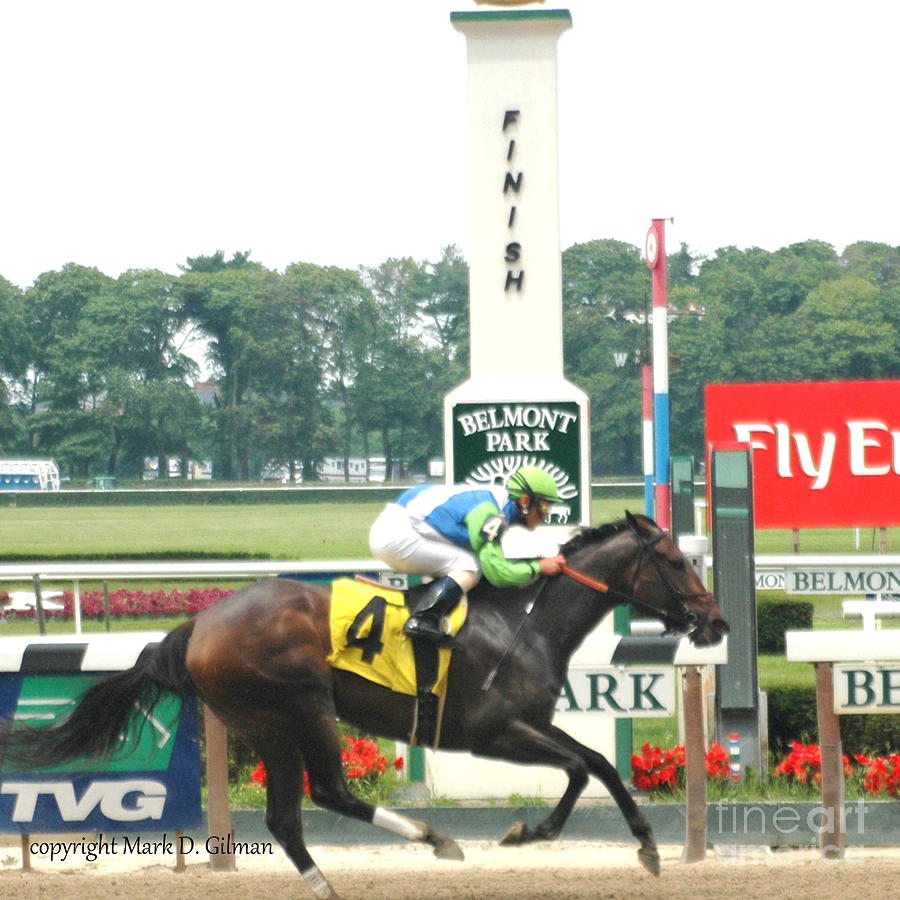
(218, 812)
(76, 604)
(180, 861)
(39, 605)
(831, 835)
(26, 852)
(695, 764)
(106, 604)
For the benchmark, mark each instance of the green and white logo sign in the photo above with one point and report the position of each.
(491, 440)
(147, 744)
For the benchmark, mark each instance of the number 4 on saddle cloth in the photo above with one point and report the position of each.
(367, 638)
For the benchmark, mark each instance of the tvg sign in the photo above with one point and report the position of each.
(153, 781)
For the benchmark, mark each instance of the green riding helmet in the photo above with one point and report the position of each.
(535, 482)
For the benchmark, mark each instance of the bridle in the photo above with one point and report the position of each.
(680, 620)
(676, 620)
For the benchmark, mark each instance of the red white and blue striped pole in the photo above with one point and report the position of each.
(647, 436)
(656, 260)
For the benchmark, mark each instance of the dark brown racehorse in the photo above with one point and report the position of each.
(257, 659)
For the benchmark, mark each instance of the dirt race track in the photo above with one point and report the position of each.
(562, 871)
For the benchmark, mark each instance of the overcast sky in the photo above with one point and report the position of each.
(136, 134)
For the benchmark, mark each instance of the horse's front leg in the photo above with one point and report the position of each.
(600, 767)
(522, 743)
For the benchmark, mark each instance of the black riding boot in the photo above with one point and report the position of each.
(426, 724)
(438, 601)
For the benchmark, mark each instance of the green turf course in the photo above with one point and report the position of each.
(302, 531)
(299, 530)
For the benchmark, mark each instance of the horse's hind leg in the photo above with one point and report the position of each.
(284, 770)
(322, 753)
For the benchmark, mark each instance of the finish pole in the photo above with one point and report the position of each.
(656, 261)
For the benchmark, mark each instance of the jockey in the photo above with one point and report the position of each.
(453, 532)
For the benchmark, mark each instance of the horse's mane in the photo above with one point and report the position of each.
(587, 535)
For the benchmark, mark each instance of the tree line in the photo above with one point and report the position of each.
(323, 361)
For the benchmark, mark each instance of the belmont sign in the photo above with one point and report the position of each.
(516, 408)
(860, 688)
(491, 440)
(825, 454)
(630, 692)
(843, 580)
(516, 428)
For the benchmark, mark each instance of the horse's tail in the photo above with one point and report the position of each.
(94, 726)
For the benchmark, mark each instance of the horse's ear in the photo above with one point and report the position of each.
(640, 525)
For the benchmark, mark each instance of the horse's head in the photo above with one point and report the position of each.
(643, 567)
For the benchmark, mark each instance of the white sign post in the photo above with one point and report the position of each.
(516, 408)
(870, 684)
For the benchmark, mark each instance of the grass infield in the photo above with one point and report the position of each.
(299, 530)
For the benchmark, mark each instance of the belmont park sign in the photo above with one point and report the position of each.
(516, 428)
(825, 454)
(491, 440)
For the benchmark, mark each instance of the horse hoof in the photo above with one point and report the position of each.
(649, 858)
(319, 885)
(516, 835)
(447, 848)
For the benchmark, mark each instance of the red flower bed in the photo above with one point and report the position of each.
(360, 759)
(804, 764)
(880, 775)
(663, 770)
(135, 604)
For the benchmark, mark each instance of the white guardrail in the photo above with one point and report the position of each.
(860, 573)
(254, 569)
(843, 563)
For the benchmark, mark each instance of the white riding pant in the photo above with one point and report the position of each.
(415, 547)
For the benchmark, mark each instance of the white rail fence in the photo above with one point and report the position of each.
(40, 573)
(858, 574)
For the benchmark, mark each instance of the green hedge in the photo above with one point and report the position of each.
(792, 717)
(776, 616)
(151, 555)
(198, 496)
(185, 494)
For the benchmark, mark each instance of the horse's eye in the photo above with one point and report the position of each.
(678, 564)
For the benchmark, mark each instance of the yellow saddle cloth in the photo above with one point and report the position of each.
(367, 635)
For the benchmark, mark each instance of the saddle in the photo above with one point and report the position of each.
(367, 639)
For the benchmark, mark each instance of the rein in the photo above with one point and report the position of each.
(603, 588)
(586, 580)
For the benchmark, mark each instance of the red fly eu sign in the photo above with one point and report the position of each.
(825, 454)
